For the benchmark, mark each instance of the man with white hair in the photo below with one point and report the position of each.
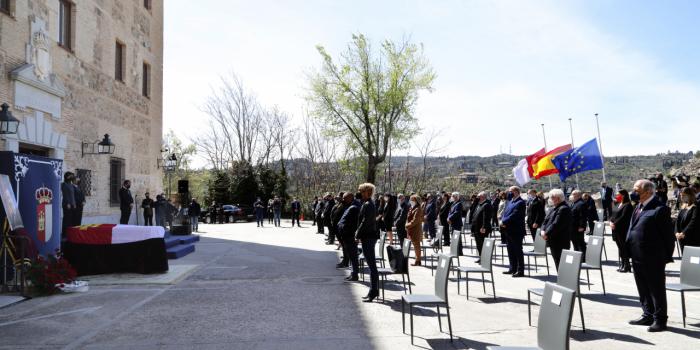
(556, 228)
(579, 223)
(650, 243)
(454, 218)
(481, 221)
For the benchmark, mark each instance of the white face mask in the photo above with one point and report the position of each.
(550, 202)
(452, 200)
(413, 204)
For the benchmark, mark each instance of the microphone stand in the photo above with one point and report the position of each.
(136, 208)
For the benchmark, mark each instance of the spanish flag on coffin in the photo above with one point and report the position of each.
(542, 166)
(103, 234)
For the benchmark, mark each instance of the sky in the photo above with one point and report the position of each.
(503, 67)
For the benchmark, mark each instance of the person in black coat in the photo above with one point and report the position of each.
(368, 234)
(557, 226)
(67, 202)
(346, 226)
(650, 242)
(481, 221)
(473, 203)
(591, 211)
(79, 203)
(442, 218)
(513, 225)
(579, 212)
(147, 207)
(319, 214)
(688, 224)
(535, 213)
(620, 224)
(430, 215)
(326, 216)
(606, 199)
(193, 211)
(388, 213)
(336, 212)
(496, 202)
(296, 212)
(400, 218)
(126, 202)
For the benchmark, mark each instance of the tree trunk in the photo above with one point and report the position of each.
(371, 169)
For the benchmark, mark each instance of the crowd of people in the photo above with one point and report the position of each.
(641, 223)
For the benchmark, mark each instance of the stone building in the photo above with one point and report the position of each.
(74, 70)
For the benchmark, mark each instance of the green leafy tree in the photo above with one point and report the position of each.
(369, 97)
(244, 185)
(219, 186)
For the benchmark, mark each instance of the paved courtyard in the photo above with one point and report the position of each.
(277, 288)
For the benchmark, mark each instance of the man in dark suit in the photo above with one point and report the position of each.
(126, 202)
(430, 215)
(443, 213)
(496, 202)
(535, 212)
(347, 224)
(556, 228)
(650, 243)
(513, 224)
(606, 198)
(661, 188)
(67, 202)
(400, 218)
(579, 223)
(326, 215)
(481, 221)
(296, 211)
(337, 211)
(319, 214)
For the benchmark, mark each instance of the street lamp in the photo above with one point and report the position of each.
(169, 165)
(98, 147)
(8, 123)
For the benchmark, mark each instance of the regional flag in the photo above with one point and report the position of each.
(583, 158)
(520, 172)
(544, 166)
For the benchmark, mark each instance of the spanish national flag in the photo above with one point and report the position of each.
(543, 166)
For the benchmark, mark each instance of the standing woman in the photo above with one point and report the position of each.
(620, 224)
(414, 222)
(388, 215)
(368, 235)
(687, 225)
(381, 203)
(442, 218)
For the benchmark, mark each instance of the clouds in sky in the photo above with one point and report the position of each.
(503, 69)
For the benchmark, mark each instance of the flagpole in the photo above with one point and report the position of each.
(544, 136)
(571, 129)
(600, 146)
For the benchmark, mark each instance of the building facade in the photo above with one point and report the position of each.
(74, 70)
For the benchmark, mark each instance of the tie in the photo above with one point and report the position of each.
(638, 212)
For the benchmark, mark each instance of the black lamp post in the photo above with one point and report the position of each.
(169, 165)
(8, 123)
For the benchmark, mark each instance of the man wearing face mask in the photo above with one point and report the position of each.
(556, 228)
(430, 216)
(400, 218)
(481, 221)
(535, 212)
(455, 216)
(650, 243)
(513, 225)
(579, 222)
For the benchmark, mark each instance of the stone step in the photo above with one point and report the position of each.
(172, 242)
(188, 239)
(179, 251)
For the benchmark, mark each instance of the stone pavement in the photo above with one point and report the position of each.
(277, 288)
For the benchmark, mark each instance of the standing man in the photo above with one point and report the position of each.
(296, 211)
(79, 202)
(346, 234)
(277, 211)
(443, 214)
(556, 228)
(535, 212)
(313, 210)
(259, 206)
(327, 210)
(579, 223)
(147, 206)
(318, 211)
(481, 221)
(336, 214)
(368, 234)
(400, 218)
(650, 244)
(67, 202)
(494, 205)
(606, 198)
(454, 218)
(194, 211)
(513, 223)
(126, 202)
(430, 216)
(661, 188)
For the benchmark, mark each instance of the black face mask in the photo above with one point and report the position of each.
(634, 197)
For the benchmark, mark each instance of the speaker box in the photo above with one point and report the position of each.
(183, 186)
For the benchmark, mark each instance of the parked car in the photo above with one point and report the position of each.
(235, 213)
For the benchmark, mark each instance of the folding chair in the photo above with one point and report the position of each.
(437, 300)
(485, 266)
(385, 271)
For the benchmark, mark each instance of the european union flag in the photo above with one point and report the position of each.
(583, 158)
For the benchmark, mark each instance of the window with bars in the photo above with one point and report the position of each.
(85, 184)
(119, 60)
(116, 177)
(65, 24)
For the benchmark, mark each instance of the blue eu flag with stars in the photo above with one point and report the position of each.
(577, 160)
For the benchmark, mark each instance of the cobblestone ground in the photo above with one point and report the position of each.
(277, 288)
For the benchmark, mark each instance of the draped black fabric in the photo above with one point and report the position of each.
(147, 256)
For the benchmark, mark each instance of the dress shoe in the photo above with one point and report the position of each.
(370, 296)
(657, 327)
(330, 243)
(519, 274)
(509, 272)
(351, 278)
(340, 266)
(642, 321)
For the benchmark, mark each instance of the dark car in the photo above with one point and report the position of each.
(235, 213)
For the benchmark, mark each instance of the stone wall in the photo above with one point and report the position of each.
(94, 102)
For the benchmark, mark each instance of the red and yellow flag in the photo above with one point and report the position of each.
(543, 166)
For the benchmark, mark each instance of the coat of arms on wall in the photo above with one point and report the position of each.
(38, 49)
